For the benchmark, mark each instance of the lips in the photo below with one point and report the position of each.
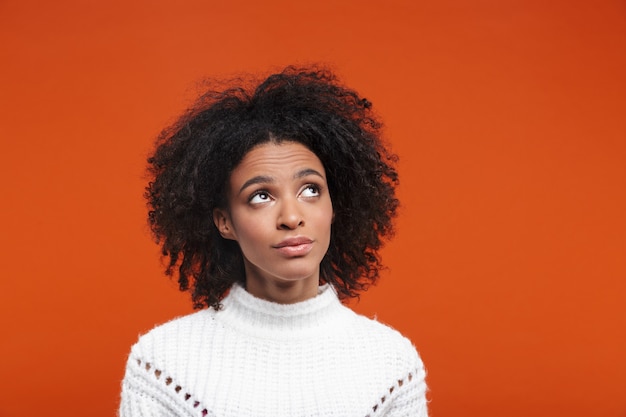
(295, 246)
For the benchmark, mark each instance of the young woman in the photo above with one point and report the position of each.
(271, 203)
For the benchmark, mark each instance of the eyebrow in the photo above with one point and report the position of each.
(266, 179)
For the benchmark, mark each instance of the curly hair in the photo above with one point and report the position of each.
(193, 159)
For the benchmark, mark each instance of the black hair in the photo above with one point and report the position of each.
(191, 166)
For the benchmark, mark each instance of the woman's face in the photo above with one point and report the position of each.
(280, 213)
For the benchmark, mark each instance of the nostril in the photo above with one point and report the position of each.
(290, 222)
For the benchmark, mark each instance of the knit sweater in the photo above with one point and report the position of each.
(258, 358)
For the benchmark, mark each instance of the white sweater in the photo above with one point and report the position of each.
(263, 359)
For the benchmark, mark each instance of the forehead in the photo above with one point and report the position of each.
(275, 159)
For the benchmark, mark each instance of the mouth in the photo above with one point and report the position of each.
(295, 246)
(293, 241)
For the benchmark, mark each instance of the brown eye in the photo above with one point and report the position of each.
(259, 197)
(310, 190)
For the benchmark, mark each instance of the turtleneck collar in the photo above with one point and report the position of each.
(267, 319)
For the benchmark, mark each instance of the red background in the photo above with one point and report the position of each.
(508, 269)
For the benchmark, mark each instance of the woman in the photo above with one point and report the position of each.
(271, 204)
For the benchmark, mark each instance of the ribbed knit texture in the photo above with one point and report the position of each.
(263, 359)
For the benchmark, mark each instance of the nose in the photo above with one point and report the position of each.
(290, 216)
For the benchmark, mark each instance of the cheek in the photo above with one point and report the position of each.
(248, 229)
(324, 218)
(251, 228)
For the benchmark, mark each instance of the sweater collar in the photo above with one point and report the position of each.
(263, 318)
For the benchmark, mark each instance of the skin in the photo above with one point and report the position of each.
(280, 213)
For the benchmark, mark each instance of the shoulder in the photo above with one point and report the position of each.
(386, 363)
(382, 342)
(157, 378)
(176, 336)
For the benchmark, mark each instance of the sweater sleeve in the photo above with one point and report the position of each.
(137, 404)
(411, 399)
(146, 395)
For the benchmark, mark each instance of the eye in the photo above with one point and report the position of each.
(310, 190)
(259, 197)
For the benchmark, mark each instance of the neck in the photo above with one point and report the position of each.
(269, 320)
(282, 292)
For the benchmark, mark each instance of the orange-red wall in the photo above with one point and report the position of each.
(508, 269)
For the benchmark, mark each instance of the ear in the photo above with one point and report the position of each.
(221, 218)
